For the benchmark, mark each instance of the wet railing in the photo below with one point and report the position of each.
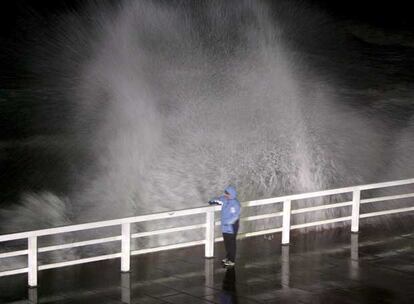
(33, 250)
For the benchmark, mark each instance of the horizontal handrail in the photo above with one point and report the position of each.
(386, 198)
(13, 271)
(169, 230)
(260, 217)
(387, 184)
(168, 247)
(322, 193)
(80, 261)
(101, 224)
(322, 207)
(13, 253)
(80, 244)
(377, 213)
(198, 210)
(330, 221)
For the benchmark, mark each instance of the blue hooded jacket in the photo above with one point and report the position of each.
(230, 210)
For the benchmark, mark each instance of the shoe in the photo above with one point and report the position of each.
(224, 261)
(229, 263)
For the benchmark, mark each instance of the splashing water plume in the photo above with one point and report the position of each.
(173, 103)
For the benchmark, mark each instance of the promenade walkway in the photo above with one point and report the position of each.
(334, 266)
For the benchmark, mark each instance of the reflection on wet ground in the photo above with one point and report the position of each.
(334, 266)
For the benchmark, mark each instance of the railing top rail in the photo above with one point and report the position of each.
(294, 197)
(101, 224)
(197, 210)
(387, 184)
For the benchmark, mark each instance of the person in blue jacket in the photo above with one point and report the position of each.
(230, 215)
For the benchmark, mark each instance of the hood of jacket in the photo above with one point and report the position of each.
(232, 191)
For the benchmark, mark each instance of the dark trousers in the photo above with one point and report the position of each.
(230, 242)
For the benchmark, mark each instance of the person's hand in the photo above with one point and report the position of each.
(215, 202)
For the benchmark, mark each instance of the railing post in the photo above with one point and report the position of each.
(286, 222)
(210, 225)
(126, 247)
(32, 261)
(356, 201)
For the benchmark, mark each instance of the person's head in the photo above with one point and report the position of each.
(230, 192)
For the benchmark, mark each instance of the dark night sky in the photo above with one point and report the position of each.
(17, 17)
(21, 18)
(388, 14)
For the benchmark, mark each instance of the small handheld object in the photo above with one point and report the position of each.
(215, 202)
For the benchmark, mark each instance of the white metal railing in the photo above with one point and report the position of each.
(125, 236)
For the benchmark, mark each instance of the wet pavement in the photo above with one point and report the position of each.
(333, 266)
